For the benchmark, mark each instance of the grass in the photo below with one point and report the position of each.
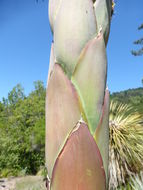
(30, 183)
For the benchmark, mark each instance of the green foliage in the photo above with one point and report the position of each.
(131, 96)
(137, 181)
(22, 129)
(138, 42)
(126, 140)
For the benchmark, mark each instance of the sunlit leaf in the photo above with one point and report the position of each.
(102, 134)
(74, 26)
(89, 79)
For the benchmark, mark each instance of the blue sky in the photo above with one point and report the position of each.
(25, 40)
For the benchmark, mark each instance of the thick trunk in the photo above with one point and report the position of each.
(77, 104)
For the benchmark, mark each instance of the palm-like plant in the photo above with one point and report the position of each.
(77, 105)
(137, 181)
(126, 143)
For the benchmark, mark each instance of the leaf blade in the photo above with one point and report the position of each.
(79, 165)
(89, 79)
(62, 114)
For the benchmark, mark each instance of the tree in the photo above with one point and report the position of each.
(22, 129)
(16, 94)
(138, 52)
(77, 104)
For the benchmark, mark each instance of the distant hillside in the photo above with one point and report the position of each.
(131, 96)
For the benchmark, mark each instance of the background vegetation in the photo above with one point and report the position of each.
(140, 43)
(133, 97)
(22, 132)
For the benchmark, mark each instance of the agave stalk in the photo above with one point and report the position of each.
(77, 104)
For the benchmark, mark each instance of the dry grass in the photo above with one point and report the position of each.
(30, 183)
(126, 143)
(137, 181)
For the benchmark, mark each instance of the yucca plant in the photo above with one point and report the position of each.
(126, 143)
(77, 105)
(137, 181)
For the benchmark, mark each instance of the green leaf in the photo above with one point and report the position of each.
(74, 26)
(89, 79)
(103, 16)
(102, 134)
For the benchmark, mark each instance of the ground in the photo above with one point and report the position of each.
(23, 183)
